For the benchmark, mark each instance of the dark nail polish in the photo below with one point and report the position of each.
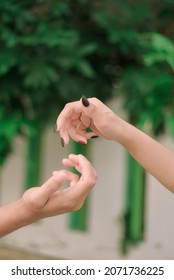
(85, 101)
(82, 143)
(62, 142)
(95, 136)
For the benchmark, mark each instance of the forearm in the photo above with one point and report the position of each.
(13, 217)
(154, 157)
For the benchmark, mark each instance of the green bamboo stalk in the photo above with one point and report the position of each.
(79, 219)
(33, 168)
(134, 204)
(137, 209)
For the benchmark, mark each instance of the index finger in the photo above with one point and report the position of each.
(43, 193)
(50, 186)
(78, 192)
(65, 117)
(88, 174)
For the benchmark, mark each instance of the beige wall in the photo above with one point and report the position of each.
(53, 236)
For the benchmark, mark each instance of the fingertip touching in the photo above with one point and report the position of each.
(59, 176)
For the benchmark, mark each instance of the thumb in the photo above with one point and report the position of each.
(41, 195)
(54, 183)
(90, 108)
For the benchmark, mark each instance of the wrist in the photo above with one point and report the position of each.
(121, 132)
(127, 135)
(23, 214)
(15, 216)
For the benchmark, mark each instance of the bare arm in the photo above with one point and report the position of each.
(13, 217)
(154, 157)
(48, 200)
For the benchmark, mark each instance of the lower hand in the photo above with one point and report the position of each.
(49, 200)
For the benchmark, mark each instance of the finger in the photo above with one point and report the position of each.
(85, 120)
(88, 173)
(68, 127)
(43, 193)
(86, 134)
(40, 195)
(90, 108)
(74, 133)
(70, 176)
(74, 196)
(64, 137)
(69, 112)
(77, 135)
(79, 191)
(72, 111)
(69, 163)
(50, 186)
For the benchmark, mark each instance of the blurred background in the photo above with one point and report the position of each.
(53, 52)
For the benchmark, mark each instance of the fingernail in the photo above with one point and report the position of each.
(62, 142)
(85, 101)
(95, 136)
(55, 127)
(82, 143)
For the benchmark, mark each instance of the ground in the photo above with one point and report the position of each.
(12, 254)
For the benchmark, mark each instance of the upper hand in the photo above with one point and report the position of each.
(75, 118)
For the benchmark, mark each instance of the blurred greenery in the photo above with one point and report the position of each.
(52, 52)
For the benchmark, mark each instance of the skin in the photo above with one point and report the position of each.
(154, 157)
(48, 200)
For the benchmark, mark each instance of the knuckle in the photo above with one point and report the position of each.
(32, 203)
(94, 99)
(63, 172)
(70, 205)
(80, 156)
(93, 179)
(74, 205)
(93, 182)
(67, 105)
(77, 206)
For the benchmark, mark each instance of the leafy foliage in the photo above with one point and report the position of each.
(53, 52)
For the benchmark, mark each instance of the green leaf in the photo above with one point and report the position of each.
(85, 68)
(170, 124)
(8, 59)
(161, 49)
(88, 49)
(41, 76)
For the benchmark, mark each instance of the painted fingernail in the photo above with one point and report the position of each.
(55, 127)
(82, 143)
(62, 142)
(85, 101)
(95, 136)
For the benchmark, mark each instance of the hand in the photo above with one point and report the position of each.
(49, 200)
(87, 113)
